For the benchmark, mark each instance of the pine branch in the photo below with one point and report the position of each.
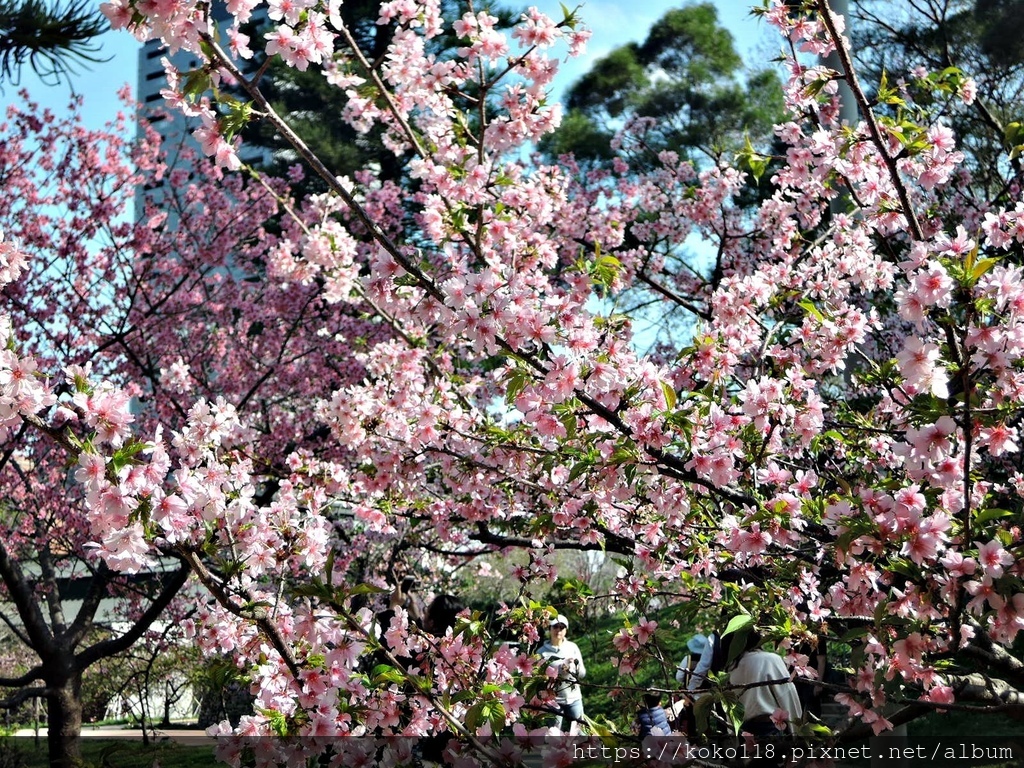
(50, 40)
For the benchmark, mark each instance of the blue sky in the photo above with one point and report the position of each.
(613, 22)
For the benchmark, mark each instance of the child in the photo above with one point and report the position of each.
(652, 716)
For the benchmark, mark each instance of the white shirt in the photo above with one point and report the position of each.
(683, 672)
(569, 690)
(699, 675)
(757, 667)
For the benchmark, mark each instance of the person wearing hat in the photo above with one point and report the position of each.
(691, 674)
(686, 670)
(564, 655)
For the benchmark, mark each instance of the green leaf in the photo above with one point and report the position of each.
(124, 455)
(516, 383)
(736, 717)
(495, 713)
(670, 394)
(568, 17)
(752, 160)
(854, 634)
(738, 623)
(991, 514)
(621, 455)
(238, 116)
(757, 165)
(209, 52)
(314, 588)
(885, 92)
(702, 712)
(808, 306)
(278, 722)
(196, 84)
(602, 731)
(475, 716)
(383, 673)
(579, 468)
(605, 269)
(880, 611)
(917, 146)
(1014, 133)
(329, 566)
(366, 589)
(568, 420)
(814, 88)
(982, 267)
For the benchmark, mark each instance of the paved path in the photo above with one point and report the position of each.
(189, 736)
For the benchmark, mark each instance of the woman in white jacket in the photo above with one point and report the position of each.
(564, 655)
(770, 701)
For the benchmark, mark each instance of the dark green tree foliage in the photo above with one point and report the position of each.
(51, 40)
(1001, 24)
(687, 76)
(689, 80)
(984, 39)
(313, 106)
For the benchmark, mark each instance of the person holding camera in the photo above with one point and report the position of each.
(564, 655)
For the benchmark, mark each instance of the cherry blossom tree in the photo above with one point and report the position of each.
(832, 453)
(163, 309)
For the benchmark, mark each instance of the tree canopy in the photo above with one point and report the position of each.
(687, 78)
(410, 377)
(979, 36)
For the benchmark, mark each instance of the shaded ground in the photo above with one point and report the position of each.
(122, 751)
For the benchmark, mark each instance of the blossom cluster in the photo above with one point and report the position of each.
(830, 447)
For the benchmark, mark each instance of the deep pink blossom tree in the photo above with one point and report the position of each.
(167, 310)
(831, 454)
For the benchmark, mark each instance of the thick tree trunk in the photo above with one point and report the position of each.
(64, 724)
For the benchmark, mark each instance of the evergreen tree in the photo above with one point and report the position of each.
(314, 106)
(51, 40)
(689, 84)
(688, 78)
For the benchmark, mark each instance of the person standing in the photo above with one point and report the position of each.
(691, 674)
(687, 669)
(710, 658)
(564, 655)
(764, 705)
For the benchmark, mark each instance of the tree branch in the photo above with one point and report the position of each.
(869, 117)
(123, 642)
(25, 603)
(18, 698)
(36, 673)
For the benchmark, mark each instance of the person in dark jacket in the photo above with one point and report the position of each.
(652, 716)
